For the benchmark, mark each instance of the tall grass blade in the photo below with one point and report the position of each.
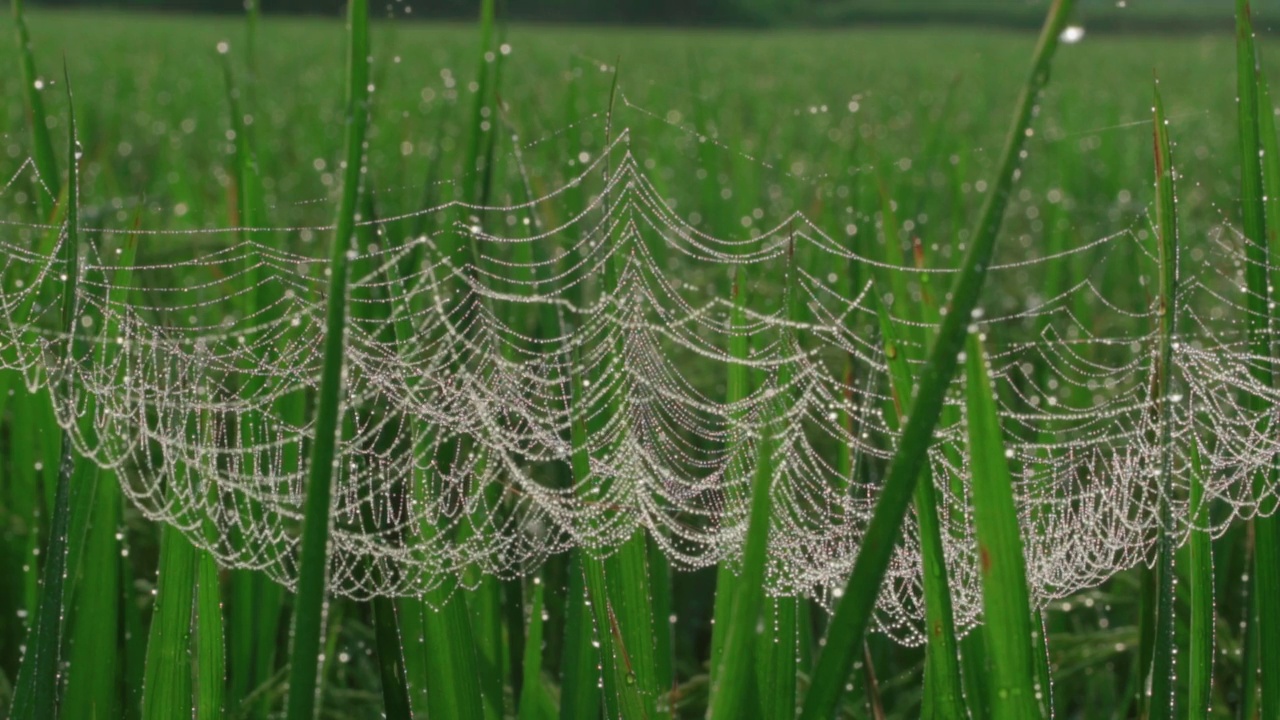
(167, 683)
(943, 696)
(531, 665)
(1266, 528)
(579, 677)
(730, 692)
(849, 622)
(208, 645)
(737, 388)
(41, 141)
(311, 597)
(395, 684)
(1163, 669)
(1200, 579)
(35, 695)
(93, 689)
(1006, 603)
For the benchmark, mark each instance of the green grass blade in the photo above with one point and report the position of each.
(41, 141)
(777, 661)
(579, 677)
(531, 665)
(439, 650)
(776, 658)
(616, 589)
(1006, 604)
(944, 697)
(662, 611)
(737, 387)
(208, 645)
(312, 595)
(1200, 652)
(395, 684)
(1267, 529)
(847, 626)
(731, 691)
(1163, 670)
(93, 688)
(36, 692)
(630, 621)
(167, 684)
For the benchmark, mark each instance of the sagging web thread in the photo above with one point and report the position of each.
(475, 350)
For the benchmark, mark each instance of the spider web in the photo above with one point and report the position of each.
(594, 320)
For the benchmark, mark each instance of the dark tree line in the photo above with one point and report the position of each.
(1172, 15)
(656, 11)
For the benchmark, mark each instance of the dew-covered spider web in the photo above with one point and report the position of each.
(527, 377)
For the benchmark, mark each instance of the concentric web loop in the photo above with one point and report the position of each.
(548, 374)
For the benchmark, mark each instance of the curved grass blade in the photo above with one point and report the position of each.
(208, 643)
(35, 695)
(1005, 600)
(849, 623)
(311, 596)
(41, 141)
(167, 682)
(736, 389)
(531, 666)
(943, 695)
(579, 678)
(1266, 528)
(731, 690)
(395, 683)
(1162, 702)
(93, 690)
(1200, 652)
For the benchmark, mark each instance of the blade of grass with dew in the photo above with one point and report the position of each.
(438, 652)
(943, 693)
(1266, 569)
(943, 696)
(312, 595)
(1163, 699)
(93, 690)
(50, 203)
(1005, 600)
(663, 628)
(844, 634)
(737, 387)
(208, 641)
(531, 664)
(485, 601)
(167, 685)
(777, 661)
(41, 141)
(391, 667)
(255, 608)
(730, 692)
(185, 661)
(1269, 529)
(622, 686)
(24, 467)
(579, 676)
(1200, 652)
(620, 585)
(35, 694)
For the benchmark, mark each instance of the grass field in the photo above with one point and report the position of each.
(895, 132)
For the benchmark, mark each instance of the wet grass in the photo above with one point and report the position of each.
(820, 122)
